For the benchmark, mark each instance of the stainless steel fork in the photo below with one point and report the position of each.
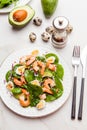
(75, 63)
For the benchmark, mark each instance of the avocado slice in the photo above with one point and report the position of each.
(20, 16)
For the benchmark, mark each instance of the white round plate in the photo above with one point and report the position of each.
(14, 105)
(9, 8)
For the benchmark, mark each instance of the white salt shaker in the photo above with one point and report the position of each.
(59, 37)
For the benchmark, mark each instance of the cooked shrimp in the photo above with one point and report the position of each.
(17, 82)
(38, 64)
(23, 79)
(25, 91)
(47, 90)
(49, 83)
(51, 66)
(30, 61)
(43, 66)
(24, 100)
(24, 59)
(35, 66)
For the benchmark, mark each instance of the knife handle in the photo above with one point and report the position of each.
(81, 100)
(73, 110)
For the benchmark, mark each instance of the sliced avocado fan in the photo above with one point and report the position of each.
(20, 16)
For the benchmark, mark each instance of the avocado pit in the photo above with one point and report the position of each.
(20, 15)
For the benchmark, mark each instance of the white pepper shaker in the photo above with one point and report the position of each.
(59, 37)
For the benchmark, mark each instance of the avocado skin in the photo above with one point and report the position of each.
(49, 7)
(16, 24)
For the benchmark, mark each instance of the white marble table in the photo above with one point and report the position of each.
(12, 39)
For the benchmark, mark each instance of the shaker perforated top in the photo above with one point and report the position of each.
(60, 23)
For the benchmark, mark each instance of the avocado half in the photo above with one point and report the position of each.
(28, 11)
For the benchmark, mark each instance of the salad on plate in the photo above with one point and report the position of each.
(35, 79)
(5, 3)
(6, 6)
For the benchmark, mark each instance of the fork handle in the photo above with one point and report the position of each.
(81, 100)
(73, 110)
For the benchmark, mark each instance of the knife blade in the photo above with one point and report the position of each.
(83, 62)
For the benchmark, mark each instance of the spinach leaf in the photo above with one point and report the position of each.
(58, 83)
(33, 101)
(4, 3)
(57, 90)
(50, 98)
(16, 66)
(38, 77)
(59, 71)
(14, 71)
(48, 73)
(15, 75)
(24, 86)
(41, 58)
(29, 75)
(34, 91)
(16, 90)
(8, 75)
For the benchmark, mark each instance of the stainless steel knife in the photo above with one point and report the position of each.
(84, 64)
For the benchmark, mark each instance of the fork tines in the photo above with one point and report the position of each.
(76, 51)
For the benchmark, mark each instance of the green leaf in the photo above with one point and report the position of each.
(16, 66)
(8, 75)
(41, 58)
(14, 71)
(57, 90)
(5, 3)
(17, 96)
(24, 86)
(38, 77)
(33, 101)
(50, 98)
(59, 71)
(15, 75)
(34, 91)
(48, 73)
(16, 90)
(58, 83)
(29, 75)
